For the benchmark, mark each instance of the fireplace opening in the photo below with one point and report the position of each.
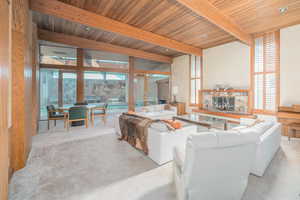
(223, 103)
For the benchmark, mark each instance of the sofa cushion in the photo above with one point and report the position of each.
(161, 127)
(231, 138)
(259, 128)
(247, 121)
(203, 140)
(262, 127)
(223, 138)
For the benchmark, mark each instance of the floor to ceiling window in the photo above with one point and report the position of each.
(265, 73)
(150, 87)
(105, 79)
(195, 78)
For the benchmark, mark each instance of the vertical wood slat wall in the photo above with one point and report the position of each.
(4, 82)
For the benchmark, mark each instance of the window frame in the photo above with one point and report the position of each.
(195, 78)
(264, 73)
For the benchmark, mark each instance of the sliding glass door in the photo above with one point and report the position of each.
(48, 90)
(69, 88)
(106, 87)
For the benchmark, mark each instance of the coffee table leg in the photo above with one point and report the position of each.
(225, 125)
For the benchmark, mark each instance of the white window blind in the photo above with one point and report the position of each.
(195, 78)
(265, 73)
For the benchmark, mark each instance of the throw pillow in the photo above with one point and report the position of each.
(174, 124)
(167, 107)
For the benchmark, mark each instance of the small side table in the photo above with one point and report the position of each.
(180, 108)
(292, 129)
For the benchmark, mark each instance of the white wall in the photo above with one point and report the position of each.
(180, 77)
(290, 65)
(227, 64)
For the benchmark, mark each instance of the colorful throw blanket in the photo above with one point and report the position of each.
(134, 130)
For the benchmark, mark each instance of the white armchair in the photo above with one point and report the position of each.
(214, 165)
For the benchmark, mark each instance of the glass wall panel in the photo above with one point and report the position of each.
(57, 55)
(106, 87)
(69, 88)
(142, 64)
(105, 59)
(151, 89)
(48, 90)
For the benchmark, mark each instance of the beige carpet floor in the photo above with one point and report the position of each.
(91, 164)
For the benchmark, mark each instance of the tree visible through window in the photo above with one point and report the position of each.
(265, 72)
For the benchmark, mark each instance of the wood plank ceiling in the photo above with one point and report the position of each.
(260, 15)
(171, 19)
(166, 18)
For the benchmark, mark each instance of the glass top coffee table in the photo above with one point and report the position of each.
(209, 121)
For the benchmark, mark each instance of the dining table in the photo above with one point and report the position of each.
(66, 108)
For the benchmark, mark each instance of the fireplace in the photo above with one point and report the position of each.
(223, 103)
(231, 100)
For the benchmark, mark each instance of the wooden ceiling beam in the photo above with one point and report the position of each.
(101, 46)
(81, 16)
(205, 9)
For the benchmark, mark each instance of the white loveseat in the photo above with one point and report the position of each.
(157, 111)
(152, 112)
(214, 165)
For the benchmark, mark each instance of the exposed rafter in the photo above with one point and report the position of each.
(102, 46)
(205, 9)
(81, 16)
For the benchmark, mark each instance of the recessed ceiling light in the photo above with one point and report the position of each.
(283, 10)
(203, 35)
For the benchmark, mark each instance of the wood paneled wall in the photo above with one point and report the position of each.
(4, 82)
(22, 83)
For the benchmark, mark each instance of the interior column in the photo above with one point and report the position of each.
(21, 63)
(60, 88)
(80, 78)
(131, 106)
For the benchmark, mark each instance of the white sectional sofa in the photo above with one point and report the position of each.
(214, 165)
(161, 141)
(237, 152)
(269, 133)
